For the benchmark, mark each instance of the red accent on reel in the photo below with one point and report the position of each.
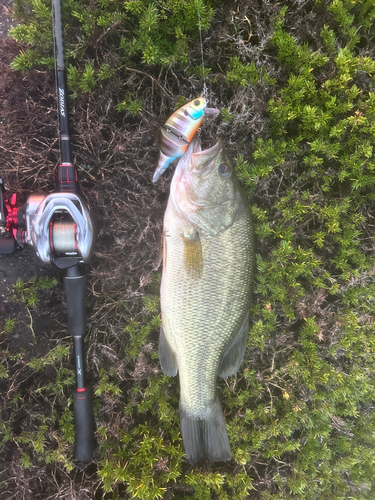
(50, 235)
(11, 209)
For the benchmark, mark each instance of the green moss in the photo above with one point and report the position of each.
(300, 411)
(320, 377)
(42, 437)
(28, 293)
(138, 31)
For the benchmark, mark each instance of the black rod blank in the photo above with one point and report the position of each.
(67, 173)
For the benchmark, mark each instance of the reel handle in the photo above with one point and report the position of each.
(8, 246)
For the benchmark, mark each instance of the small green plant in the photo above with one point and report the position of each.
(106, 386)
(242, 74)
(9, 325)
(58, 353)
(226, 116)
(37, 32)
(4, 372)
(27, 293)
(133, 106)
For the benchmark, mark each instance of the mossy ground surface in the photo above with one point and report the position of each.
(295, 83)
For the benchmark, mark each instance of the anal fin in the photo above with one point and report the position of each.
(233, 356)
(167, 357)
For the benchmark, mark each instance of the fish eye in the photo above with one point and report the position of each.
(225, 170)
(196, 102)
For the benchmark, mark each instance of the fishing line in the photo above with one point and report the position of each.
(205, 90)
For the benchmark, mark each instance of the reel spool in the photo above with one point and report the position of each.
(63, 238)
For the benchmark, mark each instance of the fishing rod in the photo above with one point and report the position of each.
(75, 277)
(59, 227)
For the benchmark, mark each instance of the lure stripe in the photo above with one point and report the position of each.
(180, 120)
(187, 130)
(180, 115)
(169, 149)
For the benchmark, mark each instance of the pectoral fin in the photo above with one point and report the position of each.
(167, 357)
(233, 356)
(193, 257)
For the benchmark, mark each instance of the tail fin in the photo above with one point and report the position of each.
(205, 438)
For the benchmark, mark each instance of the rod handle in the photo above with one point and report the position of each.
(84, 424)
(75, 295)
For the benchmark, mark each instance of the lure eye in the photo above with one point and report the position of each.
(196, 102)
(224, 170)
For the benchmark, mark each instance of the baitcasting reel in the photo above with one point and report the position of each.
(57, 225)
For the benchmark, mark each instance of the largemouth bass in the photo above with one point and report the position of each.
(178, 131)
(208, 258)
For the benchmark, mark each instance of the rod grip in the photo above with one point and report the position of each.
(84, 424)
(75, 295)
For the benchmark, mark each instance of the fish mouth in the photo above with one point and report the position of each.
(193, 149)
(201, 161)
(197, 160)
(213, 150)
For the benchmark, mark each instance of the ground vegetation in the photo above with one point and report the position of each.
(295, 83)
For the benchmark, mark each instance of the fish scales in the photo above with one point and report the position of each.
(203, 311)
(210, 309)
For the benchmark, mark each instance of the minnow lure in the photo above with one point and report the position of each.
(178, 131)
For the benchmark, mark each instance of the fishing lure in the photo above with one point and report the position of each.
(178, 131)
